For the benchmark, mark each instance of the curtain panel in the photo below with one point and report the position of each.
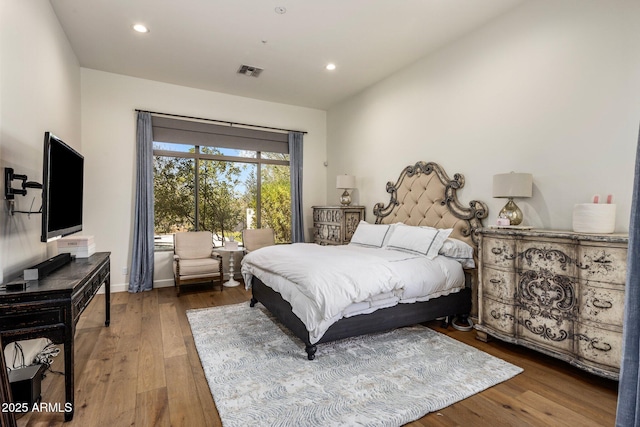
(295, 164)
(628, 410)
(141, 278)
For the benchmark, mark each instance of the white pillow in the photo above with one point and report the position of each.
(371, 235)
(420, 240)
(458, 250)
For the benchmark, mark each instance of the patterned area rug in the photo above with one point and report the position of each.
(259, 374)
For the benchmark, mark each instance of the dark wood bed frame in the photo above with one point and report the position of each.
(435, 204)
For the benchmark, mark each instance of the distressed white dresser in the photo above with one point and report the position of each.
(335, 225)
(560, 293)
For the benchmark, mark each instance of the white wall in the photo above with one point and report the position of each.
(551, 88)
(109, 132)
(39, 92)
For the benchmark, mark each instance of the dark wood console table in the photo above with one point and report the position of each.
(51, 307)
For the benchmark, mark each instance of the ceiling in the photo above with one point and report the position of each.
(203, 43)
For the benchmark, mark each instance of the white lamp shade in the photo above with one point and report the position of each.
(345, 181)
(513, 185)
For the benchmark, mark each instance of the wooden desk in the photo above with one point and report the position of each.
(51, 307)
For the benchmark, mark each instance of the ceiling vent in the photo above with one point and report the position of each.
(249, 71)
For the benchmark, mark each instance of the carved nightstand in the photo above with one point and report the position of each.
(335, 225)
(560, 293)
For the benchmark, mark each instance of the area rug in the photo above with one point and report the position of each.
(259, 374)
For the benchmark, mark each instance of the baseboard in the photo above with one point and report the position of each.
(124, 287)
(166, 283)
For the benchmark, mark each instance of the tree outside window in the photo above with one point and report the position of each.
(230, 195)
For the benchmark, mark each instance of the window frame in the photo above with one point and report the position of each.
(197, 155)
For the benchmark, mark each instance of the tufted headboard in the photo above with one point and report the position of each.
(424, 195)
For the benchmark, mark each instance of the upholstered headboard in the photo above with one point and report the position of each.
(424, 195)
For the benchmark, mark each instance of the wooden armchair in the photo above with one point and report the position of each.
(194, 260)
(256, 238)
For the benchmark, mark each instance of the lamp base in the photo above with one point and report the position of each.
(512, 212)
(345, 199)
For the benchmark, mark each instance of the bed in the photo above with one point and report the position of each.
(377, 286)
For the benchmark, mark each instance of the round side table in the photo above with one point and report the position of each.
(231, 282)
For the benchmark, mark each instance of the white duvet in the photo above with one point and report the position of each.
(325, 283)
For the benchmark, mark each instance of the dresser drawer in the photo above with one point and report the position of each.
(84, 294)
(601, 304)
(603, 346)
(551, 256)
(602, 264)
(498, 252)
(498, 316)
(554, 335)
(499, 284)
(32, 316)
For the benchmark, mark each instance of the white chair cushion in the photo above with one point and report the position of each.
(194, 244)
(256, 238)
(199, 267)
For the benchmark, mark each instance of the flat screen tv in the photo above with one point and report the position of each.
(62, 187)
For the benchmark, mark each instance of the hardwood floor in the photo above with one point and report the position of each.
(144, 370)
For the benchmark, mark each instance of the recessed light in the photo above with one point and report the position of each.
(140, 28)
(331, 66)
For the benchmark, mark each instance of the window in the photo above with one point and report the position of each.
(223, 189)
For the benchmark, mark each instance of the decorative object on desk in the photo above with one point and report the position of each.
(503, 220)
(346, 183)
(15, 285)
(511, 185)
(77, 246)
(595, 217)
(391, 378)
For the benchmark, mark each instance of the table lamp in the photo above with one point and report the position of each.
(511, 185)
(345, 182)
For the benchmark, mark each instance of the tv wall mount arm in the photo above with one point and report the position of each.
(10, 192)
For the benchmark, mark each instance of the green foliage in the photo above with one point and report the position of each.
(220, 207)
(223, 197)
(174, 194)
(276, 201)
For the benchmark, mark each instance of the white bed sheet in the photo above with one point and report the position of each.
(325, 283)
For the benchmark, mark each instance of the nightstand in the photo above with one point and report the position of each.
(335, 225)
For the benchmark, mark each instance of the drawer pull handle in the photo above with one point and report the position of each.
(600, 347)
(602, 304)
(495, 281)
(496, 251)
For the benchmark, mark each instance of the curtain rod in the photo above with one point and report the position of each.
(220, 121)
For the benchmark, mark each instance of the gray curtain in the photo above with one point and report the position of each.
(628, 413)
(295, 163)
(141, 278)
